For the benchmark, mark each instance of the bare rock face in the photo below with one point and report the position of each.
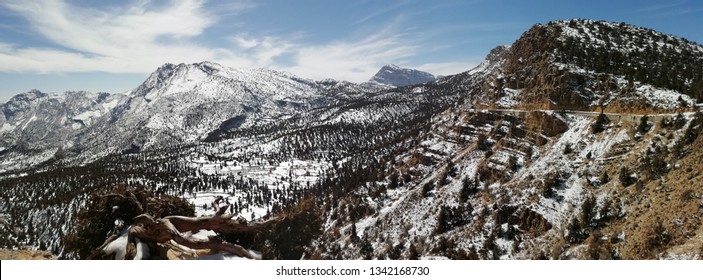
(395, 76)
(542, 122)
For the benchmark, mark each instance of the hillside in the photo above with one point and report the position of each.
(593, 65)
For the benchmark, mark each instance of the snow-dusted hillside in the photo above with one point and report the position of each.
(589, 65)
(482, 185)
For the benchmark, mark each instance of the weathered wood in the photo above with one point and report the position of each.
(97, 252)
(171, 228)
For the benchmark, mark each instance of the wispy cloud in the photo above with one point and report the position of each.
(353, 60)
(140, 37)
(660, 7)
(381, 12)
(448, 68)
(127, 39)
(670, 9)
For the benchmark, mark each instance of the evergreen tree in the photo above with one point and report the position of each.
(643, 127)
(466, 189)
(352, 233)
(366, 248)
(600, 123)
(441, 221)
(426, 188)
(412, 252)
(576, 234)
(588, 211)
(624, 177)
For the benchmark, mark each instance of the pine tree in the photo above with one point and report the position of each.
(604, 178)
(352, 234)
(643, 127)
(624, 177)
(366, 249)
(441, 221)
(576, 234)
(393, 181)
(600, 123)
(426, 188)
(679, 121)
(513, 163)
(588, 211)
(412, 252)
(466, 190)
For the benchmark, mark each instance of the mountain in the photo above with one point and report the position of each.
(37, 125)
(545, 150)
(593, 65)
(176, 104)
(186, 103)
(394, 76)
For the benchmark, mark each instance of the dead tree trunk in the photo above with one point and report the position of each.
(172, 229)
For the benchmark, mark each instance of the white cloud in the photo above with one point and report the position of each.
(142, 36)
(133, 39)
(243, 42)
(354, 60)
(447, 68)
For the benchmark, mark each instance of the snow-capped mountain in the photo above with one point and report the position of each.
(394, 76)
(185, 103)
(177, 104)
(35, 126)
(510, 159)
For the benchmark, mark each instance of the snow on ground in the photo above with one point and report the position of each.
(663, 98)
(203, 204)
(260, 170)
(17, 161)
(33, 118)
(583, 141)
(226, 256)
(87, 117)
(356, 116)
(272, 176)
(510, 99)
(7, 127)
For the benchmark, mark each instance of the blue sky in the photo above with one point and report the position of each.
(112, 46)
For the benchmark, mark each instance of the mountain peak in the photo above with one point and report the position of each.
(585, 54)
(395, 76)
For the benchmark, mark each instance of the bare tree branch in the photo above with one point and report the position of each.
(171, 228)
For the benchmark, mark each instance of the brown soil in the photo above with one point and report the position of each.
(7, 254)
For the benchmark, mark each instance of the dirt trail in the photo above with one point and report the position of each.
(611, 116)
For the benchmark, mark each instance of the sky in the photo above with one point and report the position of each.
(112, 46)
